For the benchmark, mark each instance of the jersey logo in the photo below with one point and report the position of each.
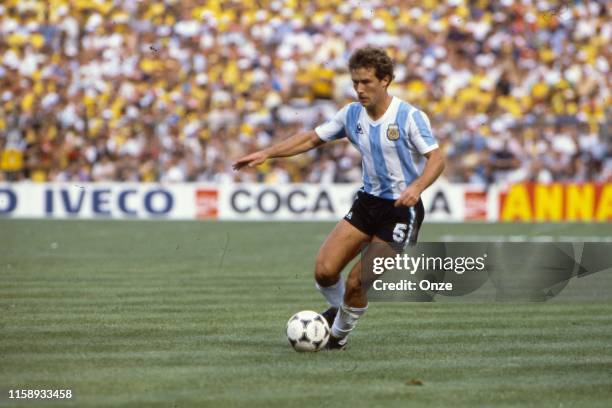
(393, 132)
(359, 129)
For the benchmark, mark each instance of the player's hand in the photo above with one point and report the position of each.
(409, 197)
(250, 160)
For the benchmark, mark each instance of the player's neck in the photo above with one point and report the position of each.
(377, 111)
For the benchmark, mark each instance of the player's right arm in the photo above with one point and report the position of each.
(299, 143)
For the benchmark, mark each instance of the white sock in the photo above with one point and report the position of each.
(346, 319)
(334, 293)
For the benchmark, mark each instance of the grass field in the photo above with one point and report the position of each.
(177, 314)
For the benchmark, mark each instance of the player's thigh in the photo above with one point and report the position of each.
(342, 244)
(362, 274)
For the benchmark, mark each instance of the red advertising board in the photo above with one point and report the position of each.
(475, 205)
(207, 203)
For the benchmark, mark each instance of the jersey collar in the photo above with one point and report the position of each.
(380, 120)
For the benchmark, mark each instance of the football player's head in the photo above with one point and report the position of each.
(371, 72)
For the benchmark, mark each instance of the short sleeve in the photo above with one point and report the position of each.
(333, 129)
(420, 132)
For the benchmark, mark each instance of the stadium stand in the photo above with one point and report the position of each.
(173, 90)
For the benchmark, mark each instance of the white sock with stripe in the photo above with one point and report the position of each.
(346, 319)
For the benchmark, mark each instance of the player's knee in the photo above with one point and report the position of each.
(325, 275)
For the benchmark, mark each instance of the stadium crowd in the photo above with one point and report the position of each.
(173, 90)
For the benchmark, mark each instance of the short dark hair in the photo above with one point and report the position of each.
(371, 57)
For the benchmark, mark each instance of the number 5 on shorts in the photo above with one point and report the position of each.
(399, 233)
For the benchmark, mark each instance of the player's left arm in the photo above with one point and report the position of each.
(433, 168)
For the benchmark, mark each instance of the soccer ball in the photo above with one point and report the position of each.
(307, 331)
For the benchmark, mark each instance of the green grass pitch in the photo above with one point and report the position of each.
(178, 314)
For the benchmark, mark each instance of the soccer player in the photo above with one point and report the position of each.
(388, 133)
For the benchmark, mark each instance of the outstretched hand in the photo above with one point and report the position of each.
(250, 160)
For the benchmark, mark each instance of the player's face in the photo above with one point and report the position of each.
(370, 90)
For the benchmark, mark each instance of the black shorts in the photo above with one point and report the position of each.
(378, 216)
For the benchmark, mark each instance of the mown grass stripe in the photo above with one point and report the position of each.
(122, 317)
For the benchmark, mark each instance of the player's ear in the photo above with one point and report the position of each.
(386, 80)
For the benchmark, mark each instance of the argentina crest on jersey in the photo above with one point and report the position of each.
(393, 132)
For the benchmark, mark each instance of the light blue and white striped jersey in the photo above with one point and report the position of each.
(389, 146)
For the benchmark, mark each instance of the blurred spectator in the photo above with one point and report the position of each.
(173, 90)
(104, 170)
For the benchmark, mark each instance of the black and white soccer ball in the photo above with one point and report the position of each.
(307, 331)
